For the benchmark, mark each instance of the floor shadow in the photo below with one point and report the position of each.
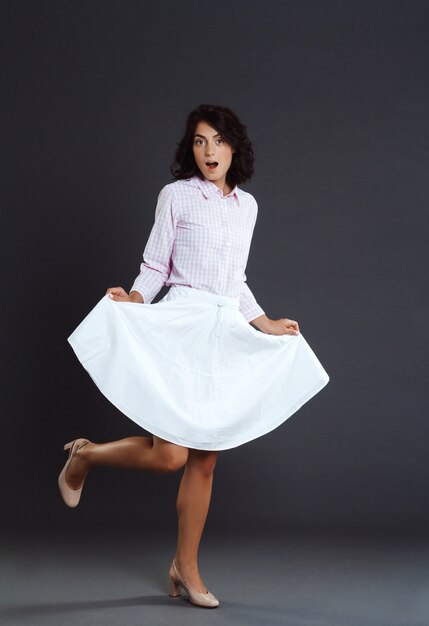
(51, 608)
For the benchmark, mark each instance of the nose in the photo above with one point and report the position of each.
(209, 149)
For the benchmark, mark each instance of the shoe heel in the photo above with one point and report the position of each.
(173, 589)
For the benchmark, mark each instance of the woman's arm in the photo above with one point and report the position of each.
(255, 315)
(155, 269)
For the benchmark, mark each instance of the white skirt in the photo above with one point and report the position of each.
(191, 370)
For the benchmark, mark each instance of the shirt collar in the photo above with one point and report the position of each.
(209, 189)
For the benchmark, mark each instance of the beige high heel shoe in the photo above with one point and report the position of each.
(207, 600)
(71, 496)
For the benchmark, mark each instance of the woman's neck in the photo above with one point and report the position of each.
(223, 185)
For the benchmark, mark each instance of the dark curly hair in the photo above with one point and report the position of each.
(231, 129)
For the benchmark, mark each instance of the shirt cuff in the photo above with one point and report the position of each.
(144, 295)
(253, 312)
(248, 304)
(148, 283)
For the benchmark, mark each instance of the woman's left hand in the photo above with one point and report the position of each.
(283, 326)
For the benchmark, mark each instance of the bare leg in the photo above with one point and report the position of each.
(193, 501)
(143, 453)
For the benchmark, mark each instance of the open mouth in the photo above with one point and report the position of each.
(212, 165)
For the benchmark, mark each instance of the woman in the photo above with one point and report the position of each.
(204, 369)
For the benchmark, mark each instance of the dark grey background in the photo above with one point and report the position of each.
(335, 98)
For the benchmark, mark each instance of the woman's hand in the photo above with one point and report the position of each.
(283, 326)
(120, 295)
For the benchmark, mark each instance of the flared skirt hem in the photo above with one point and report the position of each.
(190, 370)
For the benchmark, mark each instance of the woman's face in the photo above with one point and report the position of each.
(213, 155)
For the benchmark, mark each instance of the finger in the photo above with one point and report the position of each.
(291, 330)
(292, 324)
(118, 298)
(116, 291)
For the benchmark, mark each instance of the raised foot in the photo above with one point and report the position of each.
(71, 488)
(77, 469)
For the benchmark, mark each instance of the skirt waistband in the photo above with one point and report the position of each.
(205, 296)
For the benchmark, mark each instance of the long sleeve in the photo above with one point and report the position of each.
(156, 266)
(248, 305)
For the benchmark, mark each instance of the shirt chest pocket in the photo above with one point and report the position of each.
(213, 230)
(201, 231)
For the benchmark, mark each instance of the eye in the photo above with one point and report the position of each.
(198, 142)
(220, 141)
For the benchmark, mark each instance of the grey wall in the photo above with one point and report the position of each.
(335, 97)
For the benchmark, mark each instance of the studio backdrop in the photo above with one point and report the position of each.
(334, 95)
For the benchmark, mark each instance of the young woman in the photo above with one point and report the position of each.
(204, 369)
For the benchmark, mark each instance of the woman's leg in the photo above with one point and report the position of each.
(193, 501)
(143, 453)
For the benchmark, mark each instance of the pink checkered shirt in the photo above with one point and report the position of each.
(200, 238)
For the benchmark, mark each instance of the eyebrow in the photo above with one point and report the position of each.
(202, 136)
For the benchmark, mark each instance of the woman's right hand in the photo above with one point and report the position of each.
(120, 295)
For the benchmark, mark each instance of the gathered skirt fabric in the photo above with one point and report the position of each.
(191, 370)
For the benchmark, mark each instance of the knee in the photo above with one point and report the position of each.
(174, 458)
(204, 462)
